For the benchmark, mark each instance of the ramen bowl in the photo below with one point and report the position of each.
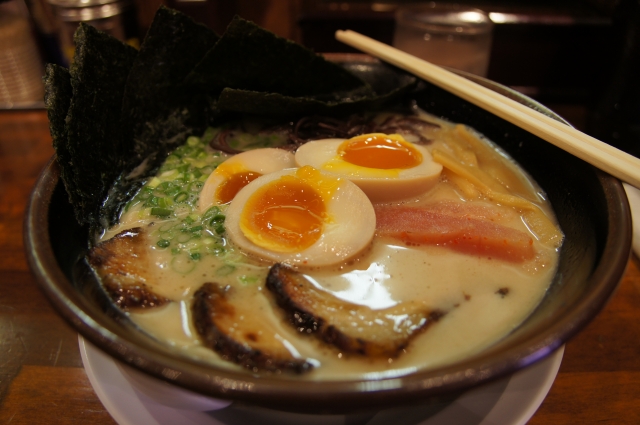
(591, 208)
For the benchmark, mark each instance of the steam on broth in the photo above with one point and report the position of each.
(464, 293)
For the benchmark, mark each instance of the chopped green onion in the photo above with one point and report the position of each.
(154, 182)
(225, 270)
(248, 280)
(195, 186)
(181, 197)
(209, 134)
(211, 212)
(184, 237)
(160, 212)
(182, 264)
(172, 190)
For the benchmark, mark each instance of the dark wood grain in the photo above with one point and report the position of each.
(41, 376)
(52, 395)
(599, 379)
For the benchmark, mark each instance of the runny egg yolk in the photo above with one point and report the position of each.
(301, 216)
(232, 185)
(380, 151)
(288, 214)
(385, 167)
(222, 186)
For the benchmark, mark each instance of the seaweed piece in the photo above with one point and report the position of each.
(158, 113)
(278, 105)
(384, 85)
(251, 58)
(57, 98)
(94, 138)
(272, 104)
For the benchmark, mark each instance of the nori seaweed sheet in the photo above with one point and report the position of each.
(276, 105)
(94, 137)
(57, 98)
(158, 113)
(248, 57)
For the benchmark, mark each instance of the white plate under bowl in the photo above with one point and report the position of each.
(132, 399)
(633, 194)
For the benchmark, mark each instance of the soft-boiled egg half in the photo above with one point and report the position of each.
(385, 166)
(238, 171)
(301, 217)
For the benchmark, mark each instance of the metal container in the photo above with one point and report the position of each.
(115, 17)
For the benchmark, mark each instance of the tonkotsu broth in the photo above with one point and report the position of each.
(470, 289)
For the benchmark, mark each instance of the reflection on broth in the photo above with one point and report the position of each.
(421, 293)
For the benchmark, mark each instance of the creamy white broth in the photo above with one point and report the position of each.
(465, 287)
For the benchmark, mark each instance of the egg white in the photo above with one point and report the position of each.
(263, 161)
(350, 230)
(380, 185)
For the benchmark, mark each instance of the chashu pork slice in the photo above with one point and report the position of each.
(464, 228)
(122, 265)
(352, 328)
(232, 325)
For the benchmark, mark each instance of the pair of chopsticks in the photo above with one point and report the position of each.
(599, 154)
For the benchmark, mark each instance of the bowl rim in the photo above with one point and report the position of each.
(328, 396)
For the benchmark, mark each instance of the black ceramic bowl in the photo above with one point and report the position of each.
(591, 207)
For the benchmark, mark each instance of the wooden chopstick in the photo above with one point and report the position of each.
(599, 154)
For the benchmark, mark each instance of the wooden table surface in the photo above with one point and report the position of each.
(42, 380)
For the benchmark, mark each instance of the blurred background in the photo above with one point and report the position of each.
(580, 57)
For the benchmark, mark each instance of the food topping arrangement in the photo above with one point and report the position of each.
(256, 206)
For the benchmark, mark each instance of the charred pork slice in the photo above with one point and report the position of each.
(350, 327)
(233, 328)
(121, 263)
